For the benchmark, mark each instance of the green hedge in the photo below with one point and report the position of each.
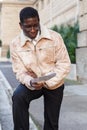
(0, 43)
(69, 35)
(8, 53)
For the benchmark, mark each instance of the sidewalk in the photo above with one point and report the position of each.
(73, 114)
(6, 122)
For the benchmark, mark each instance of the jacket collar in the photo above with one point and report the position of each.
(44, 34)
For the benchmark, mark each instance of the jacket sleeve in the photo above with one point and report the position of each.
(62, 63)
(22, 74)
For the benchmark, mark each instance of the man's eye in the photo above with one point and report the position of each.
(27, 26)
(35, 26)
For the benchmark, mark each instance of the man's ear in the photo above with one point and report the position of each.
(39, 29)
(20, 25)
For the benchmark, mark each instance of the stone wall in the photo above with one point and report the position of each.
(57, 11)
(81, 51)
(72, 74)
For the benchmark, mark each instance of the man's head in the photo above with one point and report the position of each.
(29, 22)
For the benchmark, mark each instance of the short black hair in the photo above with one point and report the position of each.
(28, 12)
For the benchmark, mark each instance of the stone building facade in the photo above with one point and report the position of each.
(57, 11)
(81, 51)
(51, 12)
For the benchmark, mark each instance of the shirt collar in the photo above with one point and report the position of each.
(44, 34)
(24, 38)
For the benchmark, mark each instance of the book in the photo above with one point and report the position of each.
(43, 78)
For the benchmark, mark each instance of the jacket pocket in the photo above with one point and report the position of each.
(47, 54)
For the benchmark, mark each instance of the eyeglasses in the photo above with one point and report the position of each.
(29, 27)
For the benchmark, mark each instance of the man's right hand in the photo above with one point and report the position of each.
(37, 86)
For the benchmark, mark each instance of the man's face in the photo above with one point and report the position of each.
(30, 27)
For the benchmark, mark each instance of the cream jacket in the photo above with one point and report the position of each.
(48, 55)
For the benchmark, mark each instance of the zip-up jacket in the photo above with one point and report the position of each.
(49, 54)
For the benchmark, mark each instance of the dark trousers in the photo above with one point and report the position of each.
(22, 97)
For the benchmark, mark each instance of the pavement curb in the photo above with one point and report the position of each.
(0, 127)
(8, 90)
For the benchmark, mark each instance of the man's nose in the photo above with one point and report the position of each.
(33, 29)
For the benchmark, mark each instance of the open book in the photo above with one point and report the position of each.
(44, 78)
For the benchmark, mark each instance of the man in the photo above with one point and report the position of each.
(37, 52)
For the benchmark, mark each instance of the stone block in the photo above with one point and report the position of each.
(85, 6)
(81, 64)
(72, 74)
(82, 39)
(82, 7)
(83, 22)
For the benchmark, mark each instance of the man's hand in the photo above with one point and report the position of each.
(37, 86)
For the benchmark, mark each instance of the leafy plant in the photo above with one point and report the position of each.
(8, 53)
(0, 43)
(69, 35)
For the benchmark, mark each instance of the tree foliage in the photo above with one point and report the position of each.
(69, 35)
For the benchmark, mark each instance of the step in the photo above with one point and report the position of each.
(0, 127)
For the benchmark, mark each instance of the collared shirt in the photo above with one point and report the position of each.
(25, 38)
(44, 34)
(48, 55)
